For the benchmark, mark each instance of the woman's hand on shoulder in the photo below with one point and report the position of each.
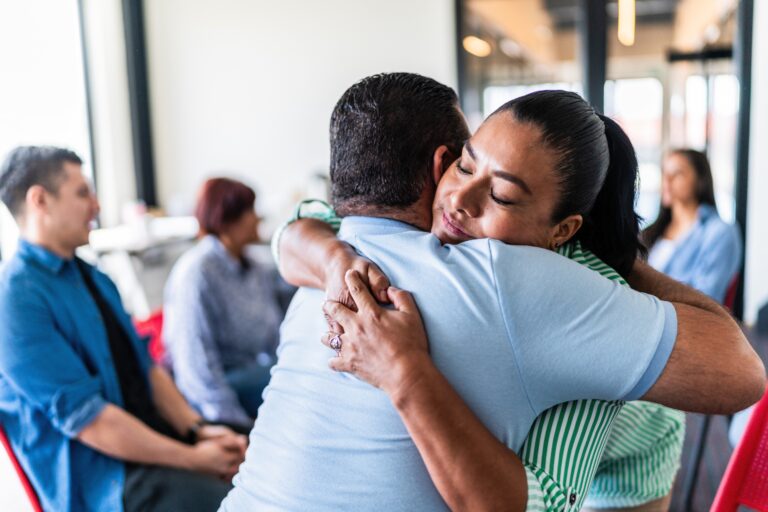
(381, 346)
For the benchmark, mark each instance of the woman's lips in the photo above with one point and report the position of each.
(454, 228)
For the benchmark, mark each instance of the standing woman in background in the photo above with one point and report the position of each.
(222, 310)
(689, 241)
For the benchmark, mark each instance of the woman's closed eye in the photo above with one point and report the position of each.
(502, 201)
(461, 169)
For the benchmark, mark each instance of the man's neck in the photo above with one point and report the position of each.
(406, 217)
(35, 237)
(418, 214)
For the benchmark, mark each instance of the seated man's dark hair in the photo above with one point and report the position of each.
(26, 166)
(384, 132)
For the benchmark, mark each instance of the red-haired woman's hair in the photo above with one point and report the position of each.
(220, 202)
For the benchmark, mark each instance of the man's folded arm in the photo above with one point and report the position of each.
(670, 345)
(712, 367)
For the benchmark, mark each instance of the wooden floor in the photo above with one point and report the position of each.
(716, 454)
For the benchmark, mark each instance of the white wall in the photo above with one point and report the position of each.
(247, 87)
(757, 234)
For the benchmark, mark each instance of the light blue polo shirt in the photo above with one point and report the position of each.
(515, 330)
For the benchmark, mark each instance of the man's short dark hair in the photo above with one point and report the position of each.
(27, 166)
(384, 132)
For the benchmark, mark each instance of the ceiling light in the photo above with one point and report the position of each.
(627, 22)
(476, 46)
(511, 48)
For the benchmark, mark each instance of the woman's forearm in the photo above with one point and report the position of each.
(305, 248)
(471, 469)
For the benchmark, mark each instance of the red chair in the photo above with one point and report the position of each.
(152, 328)
(746, 479)
(28, 489)
(730, 293)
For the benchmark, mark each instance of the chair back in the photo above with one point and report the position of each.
(746, 479)
(730, 293)
(152, 328)
(34, 502)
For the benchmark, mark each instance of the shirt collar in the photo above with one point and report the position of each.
(39, 254)
(705, 212)
(222, 253)
(354, 225)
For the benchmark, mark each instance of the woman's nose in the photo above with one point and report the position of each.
(465, 200)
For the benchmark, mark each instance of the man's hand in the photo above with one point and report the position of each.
(207, 431)
(219, 456)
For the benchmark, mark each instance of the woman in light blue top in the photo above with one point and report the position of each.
(689, 241)
(222, 310)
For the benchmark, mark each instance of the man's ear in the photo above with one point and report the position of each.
(36, 199)
(441, 160)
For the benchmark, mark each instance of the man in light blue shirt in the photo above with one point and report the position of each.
(515, 330)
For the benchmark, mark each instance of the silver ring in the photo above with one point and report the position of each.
(335, 343)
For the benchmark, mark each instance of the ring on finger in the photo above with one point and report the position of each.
(335, 344)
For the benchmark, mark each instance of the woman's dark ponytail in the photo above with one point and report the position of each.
(596, 170)
(612, 228)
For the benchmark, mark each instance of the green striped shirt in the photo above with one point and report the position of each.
(572, 446)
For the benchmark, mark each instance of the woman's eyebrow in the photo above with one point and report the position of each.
(498, 173)
(513, 179)
(470, 150)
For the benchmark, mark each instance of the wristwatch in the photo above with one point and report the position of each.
(193, 430)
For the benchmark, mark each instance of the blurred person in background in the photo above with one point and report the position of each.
(689, 241)
(222, 309)
(94, 424)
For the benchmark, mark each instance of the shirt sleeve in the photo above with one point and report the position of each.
(575, 334)
(189, 332)
(41, 365)
(719, 262)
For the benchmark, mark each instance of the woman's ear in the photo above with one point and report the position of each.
(441, 160)
(565, 229)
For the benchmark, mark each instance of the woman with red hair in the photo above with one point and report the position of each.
(222, 309)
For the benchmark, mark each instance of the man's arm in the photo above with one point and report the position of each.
(170, 403)
(118, 434)
(712, 368)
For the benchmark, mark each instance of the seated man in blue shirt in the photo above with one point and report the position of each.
(514, 329)
(94, 424)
